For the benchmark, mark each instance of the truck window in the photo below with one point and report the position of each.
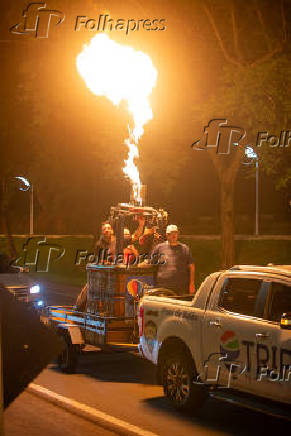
(280, 301)
(239, 295)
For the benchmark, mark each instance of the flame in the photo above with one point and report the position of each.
(119, 73)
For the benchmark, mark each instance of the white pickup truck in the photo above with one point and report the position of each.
(232, 340)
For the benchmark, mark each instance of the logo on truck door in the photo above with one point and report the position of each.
(150, 335)
(229, 345)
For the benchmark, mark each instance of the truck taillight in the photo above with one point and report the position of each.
(140, 319)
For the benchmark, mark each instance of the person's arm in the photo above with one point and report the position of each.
(133, 249)
(192, 278)
(139, 230)
(191, 266)
(154, 256)
(82, 299)
(97, 247)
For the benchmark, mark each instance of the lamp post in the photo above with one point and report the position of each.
(251, 154)
(27, 186)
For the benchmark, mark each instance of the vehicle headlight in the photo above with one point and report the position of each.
(34, 289)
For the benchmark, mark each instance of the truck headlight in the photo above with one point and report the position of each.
(34, 289)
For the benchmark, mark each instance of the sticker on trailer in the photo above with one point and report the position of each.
(134, 291)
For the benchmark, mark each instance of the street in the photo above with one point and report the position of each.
(28, 416)
(121, 385)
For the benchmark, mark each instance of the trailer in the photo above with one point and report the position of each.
(113, 293)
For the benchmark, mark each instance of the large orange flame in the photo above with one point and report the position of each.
(121, 73)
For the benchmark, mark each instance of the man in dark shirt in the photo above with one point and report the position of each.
(175, 264)
(105, 246)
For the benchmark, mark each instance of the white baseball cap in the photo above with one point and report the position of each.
(172, 228)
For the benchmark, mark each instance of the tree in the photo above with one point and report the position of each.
(251, 93)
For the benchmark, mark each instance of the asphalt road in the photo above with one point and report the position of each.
(30, 416)
(122, 385)
(59, 294)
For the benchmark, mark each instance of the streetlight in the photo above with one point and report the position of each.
(251, 154)
(27, 186)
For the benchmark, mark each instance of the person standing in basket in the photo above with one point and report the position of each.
(105, 246)
(104, 250)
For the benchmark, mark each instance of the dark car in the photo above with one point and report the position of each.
(19, 283)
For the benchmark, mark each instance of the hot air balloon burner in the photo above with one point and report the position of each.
(138, 199)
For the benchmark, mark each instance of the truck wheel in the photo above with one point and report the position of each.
(67, 360)
(178, 375)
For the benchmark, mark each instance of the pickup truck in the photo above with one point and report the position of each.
(232, 340)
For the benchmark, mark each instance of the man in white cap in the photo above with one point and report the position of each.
(176, 267)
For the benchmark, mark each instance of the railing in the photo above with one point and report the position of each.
(92, 322)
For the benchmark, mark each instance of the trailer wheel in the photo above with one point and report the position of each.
(68, 359)
(178, 377)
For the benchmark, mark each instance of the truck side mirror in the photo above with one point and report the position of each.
(285, 322)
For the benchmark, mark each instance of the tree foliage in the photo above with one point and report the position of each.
(252, 92)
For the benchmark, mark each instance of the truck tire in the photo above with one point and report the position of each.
(68, 359)
(178, 376)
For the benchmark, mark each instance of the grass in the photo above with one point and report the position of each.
(205, 254)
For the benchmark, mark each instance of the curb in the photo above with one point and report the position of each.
(91, 414)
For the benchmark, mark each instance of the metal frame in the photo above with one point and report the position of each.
(118, 213)
(98, 324)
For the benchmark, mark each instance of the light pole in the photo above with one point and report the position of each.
(31, 211)
(251, 154)
(257, 197)
(27, 186)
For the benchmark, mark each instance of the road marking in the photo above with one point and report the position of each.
(87, 411)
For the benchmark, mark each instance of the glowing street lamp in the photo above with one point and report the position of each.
(251, 154)
(27, 186)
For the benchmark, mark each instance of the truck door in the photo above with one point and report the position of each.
(271, 376)
(229, 333)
